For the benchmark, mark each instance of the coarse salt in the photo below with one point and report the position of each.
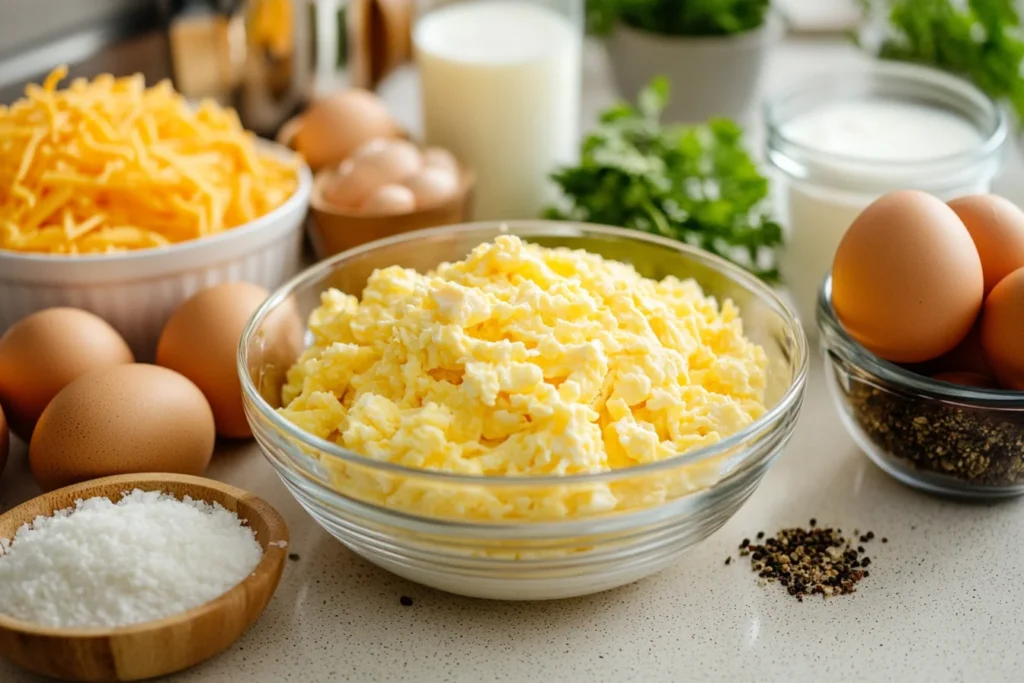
(105, 564)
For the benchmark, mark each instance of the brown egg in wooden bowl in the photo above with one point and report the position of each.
(386, 188)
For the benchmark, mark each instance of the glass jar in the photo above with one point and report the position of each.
(839, 141)
(943, 438)
(500, 83)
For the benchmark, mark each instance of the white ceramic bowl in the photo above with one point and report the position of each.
(137, 291)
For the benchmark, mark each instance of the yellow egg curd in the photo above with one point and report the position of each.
(521, 361)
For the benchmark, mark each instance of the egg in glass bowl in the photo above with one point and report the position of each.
(582, 437)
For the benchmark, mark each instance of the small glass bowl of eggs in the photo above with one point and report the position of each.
(387, 186)
(922, 329)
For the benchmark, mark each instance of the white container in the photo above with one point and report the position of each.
(709, 76)
(840, 141)
(137, 291)
(501, 90)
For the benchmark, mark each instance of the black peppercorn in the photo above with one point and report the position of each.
(976, 446)
(806, 562)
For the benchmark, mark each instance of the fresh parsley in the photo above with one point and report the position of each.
(675, 18)
(695, 184)
(979, 40)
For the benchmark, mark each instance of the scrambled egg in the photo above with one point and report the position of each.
(522, 361)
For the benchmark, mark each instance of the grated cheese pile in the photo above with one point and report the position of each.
(105, 564)
(110, 165)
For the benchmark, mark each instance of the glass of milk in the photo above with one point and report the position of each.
(840, 141)
(500, 82)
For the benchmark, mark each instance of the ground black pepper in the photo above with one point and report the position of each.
(977, 446)
(809, 561)
(405, 600)
(294, 557)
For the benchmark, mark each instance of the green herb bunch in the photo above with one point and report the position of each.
(678, 17)
(695, 184)
(979, 40)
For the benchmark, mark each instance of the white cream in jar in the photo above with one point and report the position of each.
(840, 143)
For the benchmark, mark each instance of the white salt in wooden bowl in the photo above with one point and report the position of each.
(154, 648)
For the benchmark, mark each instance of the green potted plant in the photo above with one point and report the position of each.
(979, 40)
(692, 183)
(712, 51)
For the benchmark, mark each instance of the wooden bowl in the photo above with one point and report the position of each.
(333, 231)
(152, 648)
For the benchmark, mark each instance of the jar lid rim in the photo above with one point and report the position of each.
(802, 160)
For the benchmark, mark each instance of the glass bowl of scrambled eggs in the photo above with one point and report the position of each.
(523, 410)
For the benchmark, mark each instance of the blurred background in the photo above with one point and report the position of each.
(127, 36)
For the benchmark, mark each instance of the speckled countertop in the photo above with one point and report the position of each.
(943, 602)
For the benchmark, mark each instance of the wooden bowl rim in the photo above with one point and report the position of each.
(467, 181)
(273, 553)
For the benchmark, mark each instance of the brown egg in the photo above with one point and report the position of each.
(432, 186)
(374, 165)
(5, 441)
(438, 157)
(335, 126)
(391, 160)
(906, 280)
(43, 353)
(997, 227)
(389, 200)
(1002, 330)
(349, 187)
(200, 341)
(968, 379)
(968, 356)
(369, 148)
(122, 420)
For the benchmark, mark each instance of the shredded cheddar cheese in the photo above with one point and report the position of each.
(111, 165)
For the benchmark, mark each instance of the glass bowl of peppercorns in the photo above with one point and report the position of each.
(941, 437)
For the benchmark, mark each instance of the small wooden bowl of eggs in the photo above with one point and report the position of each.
(386, 187)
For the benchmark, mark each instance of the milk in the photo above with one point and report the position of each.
(501, 90)
(871, 146)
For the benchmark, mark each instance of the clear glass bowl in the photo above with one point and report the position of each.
(434, 528)
(939, 437)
